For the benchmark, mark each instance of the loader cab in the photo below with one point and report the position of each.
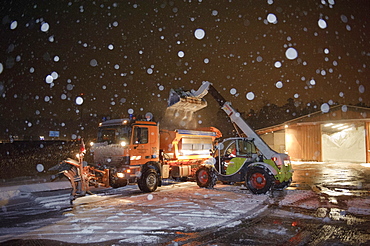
(237, 147)
(232, 153)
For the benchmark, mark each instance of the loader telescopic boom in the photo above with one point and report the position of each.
(234, 116)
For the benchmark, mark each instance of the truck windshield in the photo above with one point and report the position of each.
(114, 135)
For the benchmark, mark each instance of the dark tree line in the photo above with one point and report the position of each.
(20, 158)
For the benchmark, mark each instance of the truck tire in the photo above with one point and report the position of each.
(259, 180)
(116, 182)
(148, 181)
(205, 177)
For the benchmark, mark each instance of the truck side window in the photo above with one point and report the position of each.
(141, 135)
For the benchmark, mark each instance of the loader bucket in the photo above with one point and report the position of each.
(184, 101)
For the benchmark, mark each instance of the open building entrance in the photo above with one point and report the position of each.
(343, 142)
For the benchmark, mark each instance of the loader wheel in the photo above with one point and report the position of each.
(258, 180)
(148, 181)
(205, 177)
(283, 185)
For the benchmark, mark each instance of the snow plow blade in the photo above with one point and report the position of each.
(185, 101)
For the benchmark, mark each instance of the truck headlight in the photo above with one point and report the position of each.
(120, 175)
(123, 143)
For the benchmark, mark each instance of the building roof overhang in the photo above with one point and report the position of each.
(305, 120)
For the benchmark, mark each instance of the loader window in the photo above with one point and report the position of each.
(141, 135)
(246, 148)
(230, 149)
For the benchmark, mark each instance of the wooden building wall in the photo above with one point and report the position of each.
(367, 139)
(303, 142)
(303, 135)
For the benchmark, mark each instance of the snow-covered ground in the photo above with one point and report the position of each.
(146, 217)
(15, 191)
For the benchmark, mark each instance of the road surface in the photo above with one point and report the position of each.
(326, 204)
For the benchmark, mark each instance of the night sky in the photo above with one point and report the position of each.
(66, 64)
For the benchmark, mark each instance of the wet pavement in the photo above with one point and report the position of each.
(343, 178)
(291, 227)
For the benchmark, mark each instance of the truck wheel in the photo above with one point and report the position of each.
(258, 180)
(148, 181)
(205, 177)
(116, 182)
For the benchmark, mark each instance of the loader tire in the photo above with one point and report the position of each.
(205, 177)
(259, 180)
(283, 185)
(149, 181)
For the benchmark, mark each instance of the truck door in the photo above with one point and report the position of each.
(143, 145)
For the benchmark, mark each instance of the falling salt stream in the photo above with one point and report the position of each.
(177, 118)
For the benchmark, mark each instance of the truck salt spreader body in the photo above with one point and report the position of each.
(137, 151)
(242, 159)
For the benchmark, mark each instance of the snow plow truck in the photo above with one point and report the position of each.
(138, 151)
